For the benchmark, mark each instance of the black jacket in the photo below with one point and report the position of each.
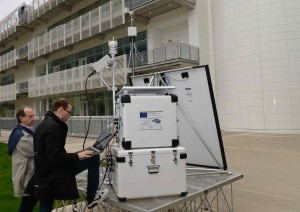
(51, 159)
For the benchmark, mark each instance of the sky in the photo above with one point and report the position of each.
(7, 6)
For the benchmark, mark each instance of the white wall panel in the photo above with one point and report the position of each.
(263, 40)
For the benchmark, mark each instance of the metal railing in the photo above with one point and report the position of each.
(166, 53)
(8, 92)
(39, 7)
(73, 79)
(77, 125)
(25, 13)
(104, 17)
(9, 25)
(8, 60)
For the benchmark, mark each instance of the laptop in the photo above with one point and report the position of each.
(100, 144)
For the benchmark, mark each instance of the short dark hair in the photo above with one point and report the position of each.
(62, 102)
(20, 113)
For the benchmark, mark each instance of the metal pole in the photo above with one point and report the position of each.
(132, 35)
(113, 51)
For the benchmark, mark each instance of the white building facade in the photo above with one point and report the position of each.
(252, 49)
(257, 63)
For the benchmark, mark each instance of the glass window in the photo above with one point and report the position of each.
(98, 57)
(94, 54)
(120, 41)
(90, 59)
(105, 48)
(127, 49)
(62, 67)
(100, 103)
(40, 70)
(82, 54)
(55, 62)
(69, 58)
(81, 12)
(90, 52)
(141, 36)
(76, 56)
(126, 41)
(69, 65)
(7, 110)
(75, 63)
(50, 70)
(62, 60)
(101, 47)
(141, 45)
(120, 51)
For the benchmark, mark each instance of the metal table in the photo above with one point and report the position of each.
(205, 191)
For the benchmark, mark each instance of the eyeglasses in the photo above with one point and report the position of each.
(70, 112)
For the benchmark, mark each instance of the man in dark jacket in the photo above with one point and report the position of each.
(55, 169)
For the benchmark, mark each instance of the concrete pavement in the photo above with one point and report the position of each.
(270, 164)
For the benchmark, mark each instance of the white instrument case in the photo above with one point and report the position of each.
(149, 172)
(147, 121)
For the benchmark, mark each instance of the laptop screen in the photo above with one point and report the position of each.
(103, 140)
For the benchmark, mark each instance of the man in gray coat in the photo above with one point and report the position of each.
(20, 147)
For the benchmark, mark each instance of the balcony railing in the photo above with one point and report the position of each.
(174, 51)
(78, 125)
(26, 13)
(8, 25)
(8, 60)
(8, 92)
(39, 7)
(104, 17)
(73, 79)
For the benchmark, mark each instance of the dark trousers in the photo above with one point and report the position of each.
(27, 203)
(92, 165)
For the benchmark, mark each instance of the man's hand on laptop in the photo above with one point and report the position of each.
(85, 154)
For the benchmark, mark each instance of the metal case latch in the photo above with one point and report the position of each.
(153, 157)
(130, 154)
(175, 156)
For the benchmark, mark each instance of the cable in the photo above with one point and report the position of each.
(89, 109)
(108, 158)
